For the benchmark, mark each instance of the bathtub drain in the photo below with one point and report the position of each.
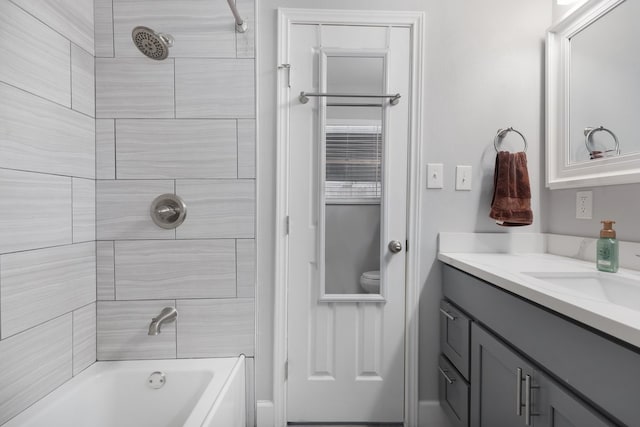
(157, 380)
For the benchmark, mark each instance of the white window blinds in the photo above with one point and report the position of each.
(353, 164)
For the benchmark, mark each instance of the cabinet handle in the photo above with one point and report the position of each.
(447, 314)
(519, 392)
(446, 377)
(527, 400)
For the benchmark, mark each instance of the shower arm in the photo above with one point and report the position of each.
(241, 24)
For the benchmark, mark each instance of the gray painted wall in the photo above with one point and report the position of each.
(484, 70)
(47, 180)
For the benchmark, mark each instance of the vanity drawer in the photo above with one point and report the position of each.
(453, 391)
(455, 330)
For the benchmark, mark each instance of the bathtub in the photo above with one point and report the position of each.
(193, 392)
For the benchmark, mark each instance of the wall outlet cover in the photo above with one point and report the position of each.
(584, 205)
(435, 177)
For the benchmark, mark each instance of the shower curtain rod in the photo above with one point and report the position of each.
(241, 24)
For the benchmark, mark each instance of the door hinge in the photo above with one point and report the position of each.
(286, 370)
(406, 246)
(287, 224)
(288, 68)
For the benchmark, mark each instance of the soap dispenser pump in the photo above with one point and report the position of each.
(607, 255)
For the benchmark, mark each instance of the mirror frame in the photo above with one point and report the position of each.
(559, 172)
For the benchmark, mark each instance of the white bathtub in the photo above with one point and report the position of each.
(196, 392)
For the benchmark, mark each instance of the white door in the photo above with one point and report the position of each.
(347, 201)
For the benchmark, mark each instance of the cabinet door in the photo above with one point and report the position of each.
(497, 382)
(559, 408)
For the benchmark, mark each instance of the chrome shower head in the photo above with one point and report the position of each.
(152, 44)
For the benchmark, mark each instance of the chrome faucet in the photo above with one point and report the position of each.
(168, 314)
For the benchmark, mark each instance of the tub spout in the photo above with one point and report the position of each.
(168, 314)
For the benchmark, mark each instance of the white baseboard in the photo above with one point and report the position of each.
(264, 413)
(430, 414)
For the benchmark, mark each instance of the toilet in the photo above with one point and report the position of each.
(370, 281)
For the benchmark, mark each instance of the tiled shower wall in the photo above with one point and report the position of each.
(184, 125)
(47, 188)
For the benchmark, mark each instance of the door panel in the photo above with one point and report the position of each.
(345, 350)
(497, 382)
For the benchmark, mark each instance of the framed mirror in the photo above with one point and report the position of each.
(593, 102)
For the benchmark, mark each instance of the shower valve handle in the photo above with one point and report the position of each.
(395, 246)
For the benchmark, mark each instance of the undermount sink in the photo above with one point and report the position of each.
(605, 287)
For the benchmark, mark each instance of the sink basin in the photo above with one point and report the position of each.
(605, 287)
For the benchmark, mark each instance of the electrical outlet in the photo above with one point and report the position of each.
(584, 205)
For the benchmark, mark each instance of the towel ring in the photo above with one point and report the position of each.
(597, 154)
(501, 134)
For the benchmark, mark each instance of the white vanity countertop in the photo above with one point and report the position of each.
(507, 270)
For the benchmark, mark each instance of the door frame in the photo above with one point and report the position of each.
(415, 22)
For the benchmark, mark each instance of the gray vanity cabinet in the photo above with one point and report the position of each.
(497, 382)
(555, 407)
(506, 391)
(526, 359)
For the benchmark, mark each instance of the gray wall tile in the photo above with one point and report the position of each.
(170, 269)
(215, 328)
(40, 136)
(32, 364)
(200, 28)
(123, 328)
(103, 18)
(161, 148)
(245, 42)
(246, 148)
(83, 81)
(106, 288)
(123, 209)
(40, 213)
(134, 88)
(84, 209)
(217, 208)
(215, 88)
(39, 285)
(105, 149)
(246, 265)
(84, 337)
(71, 18)
(34, 57)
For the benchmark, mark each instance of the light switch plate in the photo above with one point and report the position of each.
(584, 205)
(434, 175)
(463, 178)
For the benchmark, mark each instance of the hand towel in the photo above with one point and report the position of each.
(511, 204)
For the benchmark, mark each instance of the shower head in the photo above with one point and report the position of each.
(152, 44)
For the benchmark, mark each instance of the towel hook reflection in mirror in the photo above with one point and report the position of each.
(501, 134)
(597, 154)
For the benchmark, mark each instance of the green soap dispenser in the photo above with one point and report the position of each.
(607, 256)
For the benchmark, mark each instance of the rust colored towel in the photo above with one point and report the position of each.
(511, 204)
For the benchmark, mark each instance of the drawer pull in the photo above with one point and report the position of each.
(447, 314)
(519, 392)
(527, 400)
(446, 376)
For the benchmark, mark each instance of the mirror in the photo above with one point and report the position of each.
(593, 79)
(351, 192)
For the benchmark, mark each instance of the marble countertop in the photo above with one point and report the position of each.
(509, 271)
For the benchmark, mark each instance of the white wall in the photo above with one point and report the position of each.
(484, 71)
(47, 184)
